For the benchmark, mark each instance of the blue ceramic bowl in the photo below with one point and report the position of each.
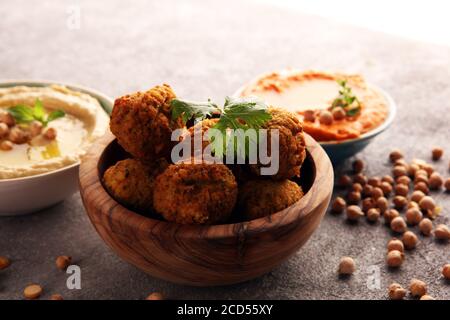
(338, 151)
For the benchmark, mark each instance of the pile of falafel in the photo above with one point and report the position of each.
(191, 192)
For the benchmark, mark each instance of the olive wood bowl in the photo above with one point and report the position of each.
(204, 255)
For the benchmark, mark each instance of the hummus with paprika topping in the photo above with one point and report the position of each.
(320, 98)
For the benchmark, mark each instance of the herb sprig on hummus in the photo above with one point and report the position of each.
(26, 114)
(346, 100)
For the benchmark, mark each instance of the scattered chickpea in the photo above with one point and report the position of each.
(386, 187)
(427, 203)
(357, 187)
(353, 197)
(447, 185)
(428, 168)
(309, 116)
(417, 195)
(437, 153)
(442, 232)
(8, 119)
(422, 179)
(412, 205)
(401, 190)
(367, 190)
(155, 296)
(446, 271)
(377, 193)
(403, 180)
(56, 297)
(395, 155)
(427, 297)
(6, 145)
(360, 178)
(401, 162)
(62, 262)
(346, 266)
(413, 216)
(4, 130)
(395, 258)
(426, 226)
(374, 182)
(410, 240)
(390, 215)
(358, 166)
(4, 262)
(435, 182)
(398, 224)
(338, 205)
(417, 288)
(367, 204)
(373, 214)
(382, 204)
(50, 134)
(354, 212)
(33, 291)
(345, 181)
(412, 169)
(421, 186)
(395, 244)
(338, 113)
(421, 172)
(388, 179)
(399, 171)
(400, 202)
(396, 292)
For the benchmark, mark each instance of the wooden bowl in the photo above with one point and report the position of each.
(204, 255)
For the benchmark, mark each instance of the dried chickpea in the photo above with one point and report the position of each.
(412, 204)
(435, 182)
(382, 204)
(373, 214)
(347, 266)
(345, 181)
(390, 215)
(427, 297)
(437, 153)
(421, 172)
(309, 115)
(412, 169)
(338, 113)
(4, 263)
(421, 186)
(401, 162)
(56, 297)
(358, 166)
(417, 288)
(398, 224)
(62, 262)
(396, 292)
(338, 205)
(428, 168)
(377, 193)
(401, 190)
(33, 291)
(400, 202)
(388, 179)
(155, 296)
(447, 185)
(394, 258)
(357, 187)
(413, 216)
(446, 271)
(399, 171)
(403, 180)
(442, 232)
(426, 226)
(410, 240)
(367, 190)
(427, 203)
(417, 195)
(395, 244)
(395, 155)
(374, 181)
(354, 212)
(386, 187)
(360, 178)
(353, 197)
(367, 204)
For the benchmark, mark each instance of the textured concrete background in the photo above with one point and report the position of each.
(208, 49)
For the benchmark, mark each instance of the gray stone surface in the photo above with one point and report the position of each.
(208, 49)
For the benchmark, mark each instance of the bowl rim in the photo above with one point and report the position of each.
(321, 188)
(391, 106)
(6, 83)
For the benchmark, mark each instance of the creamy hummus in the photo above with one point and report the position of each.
(302, 92)
(85, 120)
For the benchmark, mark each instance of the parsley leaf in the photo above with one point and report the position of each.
(346, 100)
(27, 114)
(188, 110)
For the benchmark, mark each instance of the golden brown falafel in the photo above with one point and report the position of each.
(262, 197)
(131, 182)
(143, 124)
(202, 128)
(292, 148)
(195, 193)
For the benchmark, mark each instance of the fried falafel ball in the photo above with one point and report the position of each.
(262, 197)
(130, 182)
(292, 148)
(143, 124)
(190, 193)
(200, 128)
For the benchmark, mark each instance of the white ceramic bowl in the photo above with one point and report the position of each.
(30, 194)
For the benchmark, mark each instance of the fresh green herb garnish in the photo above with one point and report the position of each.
(236, 113)
(26, 114)
(346, 100)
